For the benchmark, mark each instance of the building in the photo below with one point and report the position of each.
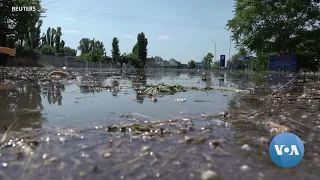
(165, 63)
(107, 59)
(173, 63)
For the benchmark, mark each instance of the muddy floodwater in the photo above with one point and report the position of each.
(154, 124)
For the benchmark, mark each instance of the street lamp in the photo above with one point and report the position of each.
(215, 49)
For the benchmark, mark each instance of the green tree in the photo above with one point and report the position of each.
(98, 51)
(32, 40)
(284, 27)
(207, 61)
(191, 64)
(47, 49)
(57, 40)
(69, 51)
(15, 26)
(52, 37)
(141, 49)
(216, 65)
(91, 50)
(115, 50)
(85, 45)
(48, 36)
(62, 44)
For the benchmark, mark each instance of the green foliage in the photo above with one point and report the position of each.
(134, 60)
(207, 61)
(85, 56)
(116, 51)
(57, 38)
(32, 39)
(191, 64)
(216, 65)
(47, 49)
(141, 49)
(67, 51)
(284, 27)
(17, 25)
(85, 45)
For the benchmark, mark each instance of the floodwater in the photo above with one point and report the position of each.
(72, 128)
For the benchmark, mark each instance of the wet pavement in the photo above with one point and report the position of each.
(98, 124)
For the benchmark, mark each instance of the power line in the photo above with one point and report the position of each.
(51, 2)
(134, 19)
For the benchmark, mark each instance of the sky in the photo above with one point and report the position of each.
(179, 29)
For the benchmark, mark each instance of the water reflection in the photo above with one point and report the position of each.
(52, 92)
(21, 105)
(137, 82)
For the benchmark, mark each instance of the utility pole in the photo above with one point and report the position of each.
(230, 47)
(215, 49)
(92, 51)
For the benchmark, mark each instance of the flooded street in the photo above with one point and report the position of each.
(155, 124)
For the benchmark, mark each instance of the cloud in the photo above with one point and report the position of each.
(71, 31)
(164, 37)
(71, 19)
(129, 36)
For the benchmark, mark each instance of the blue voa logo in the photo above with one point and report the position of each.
(286, 150)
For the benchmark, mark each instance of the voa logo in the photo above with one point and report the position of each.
(280, 149)
(286, 150)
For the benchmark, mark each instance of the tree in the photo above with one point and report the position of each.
(48, 36)
(216, 65)
(33, 37)
(52, 37)
(283, 27)
(191, 64)
(115, 50)
(15, 26)
(89, 47)
(62, 44)
(207, 61)
(179, 63)
(141, 48)
(47, 49)
(85, 45)
(69, 51)
(57, 38)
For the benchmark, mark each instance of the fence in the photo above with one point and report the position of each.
(48, 60)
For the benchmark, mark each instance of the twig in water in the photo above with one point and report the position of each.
(283, 86)
(7, 132)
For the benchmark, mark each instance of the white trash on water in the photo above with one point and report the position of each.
(181, 100)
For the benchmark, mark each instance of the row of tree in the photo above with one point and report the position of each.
(52, 44)
(95, 51)
(137, 57)
(22, 30)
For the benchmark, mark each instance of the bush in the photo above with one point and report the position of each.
(47, 49)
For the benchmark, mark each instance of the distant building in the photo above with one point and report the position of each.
(107, 59)
(165, 63)
(158, 61)
(173, 63)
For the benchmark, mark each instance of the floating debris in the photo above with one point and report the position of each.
(180, 100)
(210, 175)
